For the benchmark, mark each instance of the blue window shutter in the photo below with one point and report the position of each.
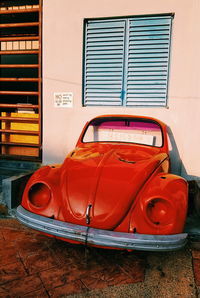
(127, 61)
(103, 69)
(148, 61)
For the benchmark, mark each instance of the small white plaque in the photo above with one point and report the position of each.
(63, 100)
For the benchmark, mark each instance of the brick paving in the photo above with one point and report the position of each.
(33, 265)
(196, 266)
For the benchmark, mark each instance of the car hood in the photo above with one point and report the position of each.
(108, 179)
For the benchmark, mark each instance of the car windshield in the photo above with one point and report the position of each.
(129, 130)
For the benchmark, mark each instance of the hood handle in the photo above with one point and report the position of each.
(88, 214)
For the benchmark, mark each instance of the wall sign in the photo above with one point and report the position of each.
(63, 99)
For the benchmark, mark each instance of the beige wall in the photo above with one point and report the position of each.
(62, 72)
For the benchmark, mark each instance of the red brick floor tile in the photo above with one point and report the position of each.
(75, 255)
(2, 242)
(196, 268)
(105, 278)
(196, 254)
(40, 261)
(1, 236)
(81, 270)
(29, 247)
(11, 272)
(56, 277)
(63, 251)
(7, 245)
(63, 246)
(63, 257)
(11, 223)
(86, 267)
(44, 238)
(21, 287)
(74, 287)
(117, 277)
(11, 234)
(94, 282)
(71, 271)
(37, 294)
(133, 264)
(8, 254)
(134, 267)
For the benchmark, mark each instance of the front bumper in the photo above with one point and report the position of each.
(104, 238)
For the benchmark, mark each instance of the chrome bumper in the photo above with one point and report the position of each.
(99, 237)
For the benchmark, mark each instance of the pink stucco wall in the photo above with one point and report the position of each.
(62, 72)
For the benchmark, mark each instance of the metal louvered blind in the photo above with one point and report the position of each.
(148, 59)
(104, 56)
(127, 61)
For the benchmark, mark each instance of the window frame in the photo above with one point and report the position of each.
(123, 118)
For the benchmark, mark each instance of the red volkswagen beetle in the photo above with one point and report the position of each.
(114, 190)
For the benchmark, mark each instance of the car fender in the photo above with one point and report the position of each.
(161, 206)
(49, 177)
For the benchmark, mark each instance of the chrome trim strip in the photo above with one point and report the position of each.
(101, 237)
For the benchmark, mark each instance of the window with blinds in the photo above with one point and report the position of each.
(126, 61)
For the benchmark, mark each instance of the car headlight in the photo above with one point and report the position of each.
(39, 195)
(159, 211)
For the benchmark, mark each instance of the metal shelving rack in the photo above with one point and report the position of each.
(20, 79)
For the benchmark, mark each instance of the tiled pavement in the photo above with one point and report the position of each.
(33, 265)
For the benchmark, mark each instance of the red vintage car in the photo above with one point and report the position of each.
(114, 190)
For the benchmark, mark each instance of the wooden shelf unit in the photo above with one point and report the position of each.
(20, 79)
